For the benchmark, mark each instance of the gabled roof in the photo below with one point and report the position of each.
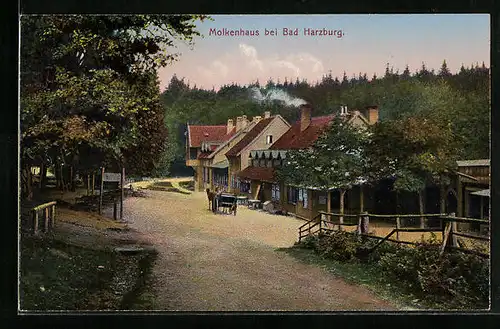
(234, 136)
(258, 173)
(249, 137)
(296, 139)
(199, 134)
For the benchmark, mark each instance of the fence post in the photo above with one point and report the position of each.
(453, 237)
(53, 216)
(452, 240)
(398, 226)
(35, 222)
(358, 230)
(365, 222)
(46, 220)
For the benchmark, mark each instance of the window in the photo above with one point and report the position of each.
(304, 192)
(193, 153)
(291, 194)
(322, 199)
(276, 163)
(262, 162)
(269, 163)
(301, 195)
(245, 187)
(275, 192)
(269, 139)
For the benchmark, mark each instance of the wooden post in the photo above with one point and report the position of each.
(35, 223)
(453, 228)
(93, 183)
(71, 181)
(421, 208)
(361, 198)
(46, 220)
(459, 198)
(398, 226)
(88, 184)
(341, 218)
(360, 221)
(115, 206)
(365, 223)
(101, 190)
(122, 183)
(52, 222)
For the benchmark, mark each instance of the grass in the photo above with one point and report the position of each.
(367, 275)
(59, 276)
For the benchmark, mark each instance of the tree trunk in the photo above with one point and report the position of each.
(421, 208)
(43, 177)
(26, 183)
(341, 218)
(72, 179)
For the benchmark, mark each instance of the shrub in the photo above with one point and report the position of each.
(456, 277)
(309, 242)
(339, 245)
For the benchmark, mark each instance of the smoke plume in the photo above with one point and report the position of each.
(274, 94)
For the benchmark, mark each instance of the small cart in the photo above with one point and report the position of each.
(228, 203)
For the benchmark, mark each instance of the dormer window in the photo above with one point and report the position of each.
(269, 139)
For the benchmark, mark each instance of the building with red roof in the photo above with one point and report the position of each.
(210, 149)
(301, 135)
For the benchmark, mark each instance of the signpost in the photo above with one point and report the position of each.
(113, 177)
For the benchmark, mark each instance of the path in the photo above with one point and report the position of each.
(230, 263)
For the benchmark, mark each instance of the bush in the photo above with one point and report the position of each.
(309, 242)
(459, 279)
(339, 245)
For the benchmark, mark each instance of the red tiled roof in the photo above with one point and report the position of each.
(249, 137)
(296, 139)
(199, 134)
(258, 173)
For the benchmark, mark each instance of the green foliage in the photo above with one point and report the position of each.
(414, 150)
(339, 245)
(335, 159)
(89, 88)
(458, 279)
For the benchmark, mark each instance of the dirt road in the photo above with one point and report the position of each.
(210, 262)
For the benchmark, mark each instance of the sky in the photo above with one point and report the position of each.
(366, 45)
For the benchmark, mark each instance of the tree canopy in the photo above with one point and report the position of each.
(89, 88)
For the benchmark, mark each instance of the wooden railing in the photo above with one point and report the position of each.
(447, 226)
(48, 211)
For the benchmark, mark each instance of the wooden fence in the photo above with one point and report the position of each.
(442, 223)
(48, 212)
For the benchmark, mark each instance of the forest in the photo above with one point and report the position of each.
(461, 100)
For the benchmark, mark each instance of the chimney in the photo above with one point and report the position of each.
(305, 116)
(256, 118)
(238, 123)
(230, 125)
(244, 121)
(372, 114)
(267, 114)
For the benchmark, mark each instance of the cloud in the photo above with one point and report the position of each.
(251, 54)
(215, 70)
(245, 64)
